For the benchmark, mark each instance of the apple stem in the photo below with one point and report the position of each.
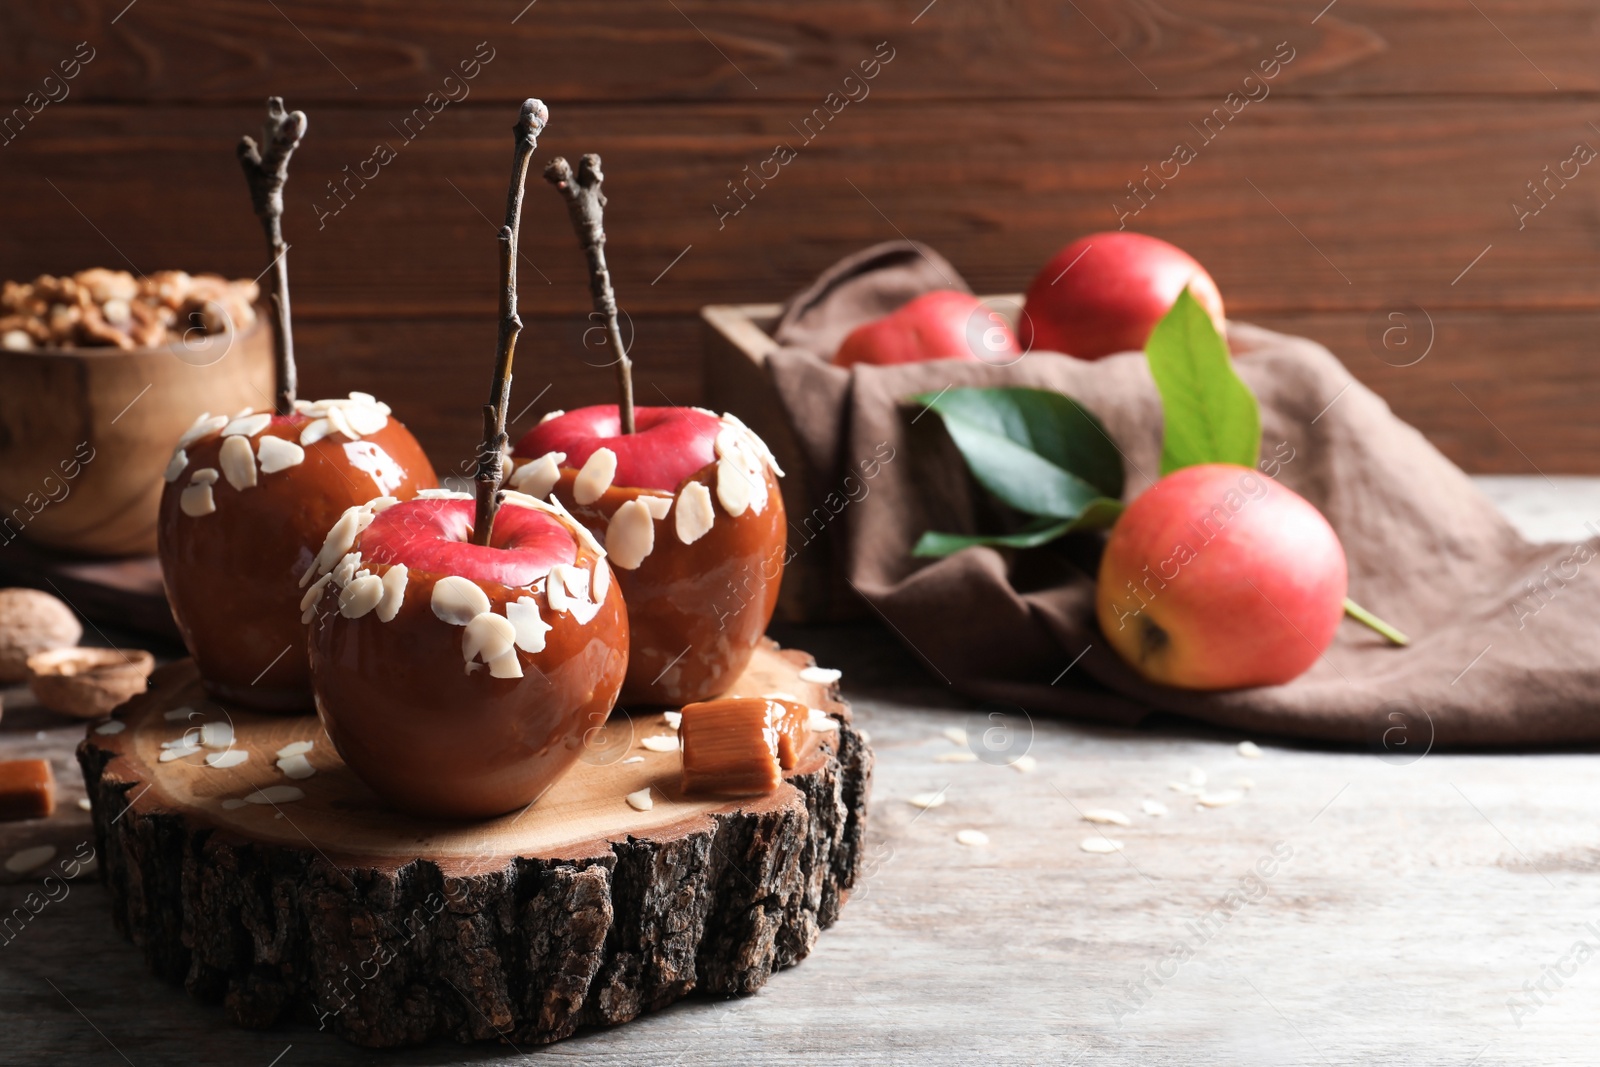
(266, 170)
(491, 454)
(585, 202)
(1367, 618)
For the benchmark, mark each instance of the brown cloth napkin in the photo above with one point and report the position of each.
(1504, 633)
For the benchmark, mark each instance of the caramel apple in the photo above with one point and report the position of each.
(459, 679)
(686, 501)
(249, 498)
(689, 509)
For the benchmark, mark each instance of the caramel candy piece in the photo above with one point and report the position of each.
(27, 789)
(740, 746)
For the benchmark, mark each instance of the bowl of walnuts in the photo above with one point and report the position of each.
(103, 372)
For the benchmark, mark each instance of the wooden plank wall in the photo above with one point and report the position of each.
(1374, 175)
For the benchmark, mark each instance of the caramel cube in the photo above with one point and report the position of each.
(27, 789)
(740, 746)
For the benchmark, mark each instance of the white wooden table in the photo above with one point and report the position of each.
(1410, 909)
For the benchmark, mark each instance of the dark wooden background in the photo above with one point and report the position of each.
(1383, 165)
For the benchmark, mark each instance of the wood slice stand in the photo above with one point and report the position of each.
(390, 930)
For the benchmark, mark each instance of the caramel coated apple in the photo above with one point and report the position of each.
(460, 680)
(247, 503)
(689, 509)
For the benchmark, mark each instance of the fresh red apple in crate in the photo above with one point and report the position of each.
(459, 679)
(943, 324)
(1218, 577)
(690, 511)
(1104, 293)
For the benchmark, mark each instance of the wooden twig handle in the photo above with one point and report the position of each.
(266, 168)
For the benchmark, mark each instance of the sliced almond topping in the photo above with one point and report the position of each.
(695, 515)
(820, 675)
(674, 719)
(956, 757)
(442, 494)
(1249, 750)
(276, 794)
(600, 584)
(216, 734)
(1107, 817)
(567, 590)
(458, 601)
(972, 838)
(179, 462)
(204, 425)
(539, 477)
(345, 572)
(584, 533)
(1153, 808)
(660, 743)
(313, 593)
(381, 503)
(315, 431)
(364, 418)
(641, 800)
(556, 414)
(340, 424)
(115, 726)
(248, 425)
(492, 638)
(927, 800)
(658, 506)
(361, 596)
(631, 535)
(205, 476)
(224, 760)
(733, 487)
(179, 753)
(196, 500)
(529, 626)
(1100, 845)
(595, 477)
(1024, 764)
(278, 454)
(238, 462)
(295, 748)
(339, 539)
(394, 592)
(1220, 800)
(955, 735)
(295, 765)
(754, 442)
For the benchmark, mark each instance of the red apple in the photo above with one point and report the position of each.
(1104, 293)
(689, 508)
(943, 324)
(1217, 577)
(246, 505)
(459, 680)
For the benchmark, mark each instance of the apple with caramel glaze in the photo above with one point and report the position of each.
(247, 503)
(459, 680)
(689, 509)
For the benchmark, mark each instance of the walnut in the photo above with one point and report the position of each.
(32, 622)
(88, 682)
(102, 308)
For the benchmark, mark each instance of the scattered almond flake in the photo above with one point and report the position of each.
(1249, 750)
(345, 571)
(753, 441)
(295, 748)
(197, 499)
(223, 760)
(247, 425)
(1246, 784)
(30, 859)
(84, 804)
(113, 727)
(528, 628)
(1184, 788)
(364, 419)
(1220, 800)
(492, 638)
(296, 766)
(630, 535)
(634, 759)
(314, 431)
(233, 804)
(458, 600)
(820, 675)
(276, 794)
(956, 757)
(821, 721)
(595, 476)
(190, 739)
(337, 420)
(361, 596)
(276, 454)
(661, 743)
(1025, 764)
(640, 801)
(927, 800)
(658, 506)
(600, 584)
(205, 424)
(734, 490)
(1107, 816)
(695, 516)
(394, 592)
(1101, 845)
(539, 477)
(216, 735)
(341, 538)
(956, 734)
(1197, 776)
(547, 416)
(179, 753)
(973, 838)
(178, 464)
(674, 719)
(177, 714)
(1154, 807)
(238, 462)
(381, 503)
(566, 590)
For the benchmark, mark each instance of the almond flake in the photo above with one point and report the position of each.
(695, 515)
(927, 800)
(556, 507)
(487, 637)
(1249, 750)
(660, 743)
(314, 431)
(972, 838)
(30, 859)
(641, 801)
(307, 602)
(529, 628)
(233, 804)
(178, 714)
(196, 500)
(296, 766)
(113, 727)
(216, 734)
(753, 442)
(238, 462)
(179, 753)
(1184, 788)
(85, 804)
(442, 494)
(365, 419)
(634, 759)
(340, 424)
(566, 590)
(1100, 845)
(547, 416)
(345, 572)
(820, 675)
(821, 721)
(539, 477)
(1024, 764)
(1220, 800)
(657, 506)
(600, 584)
(630, 536)
(277, 454)
(1154, 807)
(458, 601)
(176, 466)
(1197, 776)
(674, 719)
(276, 794)
(734, 490)
(248, 425)
(394, 592)
(956, 757)
(595, 477)
(205, 424)
(955, 734)
(341, 537)
(361, 596)
(1107, 817)
(223, 760)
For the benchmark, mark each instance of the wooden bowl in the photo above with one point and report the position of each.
(86, 433)
(88, 683)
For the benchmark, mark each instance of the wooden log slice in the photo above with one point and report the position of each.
(390, 930)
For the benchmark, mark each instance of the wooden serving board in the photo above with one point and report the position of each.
(390, 930)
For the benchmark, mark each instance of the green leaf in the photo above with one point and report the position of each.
(1211, 415)
(1097, 516)
(1037, 451)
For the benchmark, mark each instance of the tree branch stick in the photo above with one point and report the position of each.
(491, 454)
(585, 202)
(266, 169)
